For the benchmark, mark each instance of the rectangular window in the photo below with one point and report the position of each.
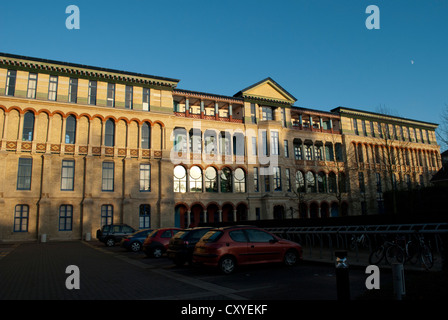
(21, 214)
(256, 180)
(264, 143)
(11, 83)
(364, 129)
(355, 126)
(68, 175)
(73, 90)
(267, 113)
(409, 134)
(362, 187)
(107, 214)
(111, 95)
(427, 137)
(286, 148)
(92, 92)
(277, 179)
(257, 213)
(53, 88)
(24, 174)
(108, 176)
(145, 177)
(380, 130)
(146, 93)
(65, 217)
(145, 216)
(283, 117)
(274, 143)
(128, 97)
(32, 86)
(267, 183)
(372, 129)
(288, 179)
(253, 113)
(254, 146)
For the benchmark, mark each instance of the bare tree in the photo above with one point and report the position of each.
(391, 154)
(442, 130)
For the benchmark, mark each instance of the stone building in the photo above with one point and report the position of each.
(84, 146)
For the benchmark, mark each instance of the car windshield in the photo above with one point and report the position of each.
(141, 233)
(152, 234)
(212, 236)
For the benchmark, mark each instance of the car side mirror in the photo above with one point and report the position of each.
(273, 240)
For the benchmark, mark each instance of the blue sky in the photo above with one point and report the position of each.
(320, 51)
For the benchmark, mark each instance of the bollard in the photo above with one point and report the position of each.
(398, 277)
(342, 275)
(88, 236)
(43, 237)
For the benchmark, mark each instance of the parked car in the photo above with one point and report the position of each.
(229, 247)
(181, 245)
(113, 233)
(156, 243)
(134, 242)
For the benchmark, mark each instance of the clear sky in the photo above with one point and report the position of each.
(319, 51)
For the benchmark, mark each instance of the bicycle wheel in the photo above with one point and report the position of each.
(377, 255)
(394, 254)
(427, 258)
(412, 252)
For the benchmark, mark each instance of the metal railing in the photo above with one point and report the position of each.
(329, 238)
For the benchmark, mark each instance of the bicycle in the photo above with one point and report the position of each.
(361, 241)
(390, 250)
(419, 250)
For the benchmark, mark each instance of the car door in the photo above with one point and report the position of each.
(263, 247)
(238, 246)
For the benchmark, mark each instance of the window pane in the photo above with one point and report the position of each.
(24, 174)
(145, 177)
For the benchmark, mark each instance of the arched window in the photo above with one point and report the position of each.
(240, 180)
(342, 182)
(195, 179)
(195, 141)
(180, 139)
(310, 182)
(70, 129)
(146, 136)
(226, 180)
(180, 179)
(28, 126)
(300, 182)
(322, 182)
(211, 180)
(109, 137)
(332, 182)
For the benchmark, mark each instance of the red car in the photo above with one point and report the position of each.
(229, 247)
(157, 241)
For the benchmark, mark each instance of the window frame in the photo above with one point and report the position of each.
(68, 175)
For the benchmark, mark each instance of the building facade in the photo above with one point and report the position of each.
(83, 146)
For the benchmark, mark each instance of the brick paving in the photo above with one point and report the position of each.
(34, 271)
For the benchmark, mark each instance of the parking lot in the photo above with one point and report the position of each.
(38, 271)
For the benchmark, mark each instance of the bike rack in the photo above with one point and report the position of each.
(340, 234)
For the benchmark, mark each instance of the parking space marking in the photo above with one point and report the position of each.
(218, 290)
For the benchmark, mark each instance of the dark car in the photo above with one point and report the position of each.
(181, 245)
(134, 242)
(113, 233)
(157, 241)
(229, 247)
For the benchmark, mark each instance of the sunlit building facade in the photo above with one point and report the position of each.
(84, 146)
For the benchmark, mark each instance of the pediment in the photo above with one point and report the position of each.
(268, 90)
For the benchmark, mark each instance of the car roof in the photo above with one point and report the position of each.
(236, 227)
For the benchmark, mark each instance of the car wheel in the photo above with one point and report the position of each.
(227, 265)
(157, 252)
(290, 258)
(110, 242)
(136, 246)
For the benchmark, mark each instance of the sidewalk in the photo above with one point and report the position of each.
(361, 259)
